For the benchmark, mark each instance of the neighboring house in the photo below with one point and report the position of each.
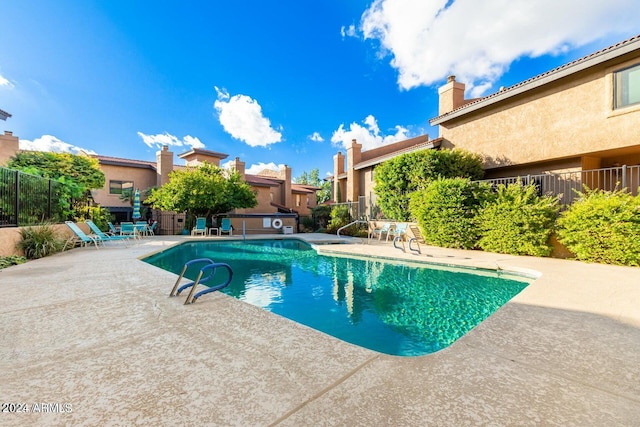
(353, 175)
(584, 115)
(580, 116)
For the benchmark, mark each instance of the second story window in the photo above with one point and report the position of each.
(626, 87)
(120, 187)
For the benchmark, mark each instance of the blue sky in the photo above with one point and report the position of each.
(272, 82)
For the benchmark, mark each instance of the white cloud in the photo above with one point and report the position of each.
(316, 137)
(478, 40)
(161, 139)
(369, 135)
(52, 144)
(259, 167)
(349, 31)
(5, 82)
(256, 168)
(241, 117)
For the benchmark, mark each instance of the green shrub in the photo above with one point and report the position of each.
(321, 215)
(446, 210)
(339, 218)
(39, 241)
(517, 221)
(8, 261)
(603, 227)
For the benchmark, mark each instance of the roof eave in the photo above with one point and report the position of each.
(552, 76)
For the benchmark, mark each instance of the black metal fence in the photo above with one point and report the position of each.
(28, 200)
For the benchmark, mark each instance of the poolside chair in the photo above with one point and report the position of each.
(80, 237)
(112, 229)
(142, 228)
(226, 227)
(103, 236)
(417, 239)
(152, 228)
(384, 229)
(201, 226)
(128, 229)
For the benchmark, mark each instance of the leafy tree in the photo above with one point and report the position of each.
(203, 191)
(518, 221)
(397, 178)
(313, 178)
(77, 174)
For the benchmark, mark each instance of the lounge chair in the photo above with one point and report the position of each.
(80, 237)
(417, 239)
(103, 236)
(112, 229)
(384, 229)
(201, 226)
(226, 227)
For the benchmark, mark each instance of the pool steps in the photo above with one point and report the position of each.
(210, 268)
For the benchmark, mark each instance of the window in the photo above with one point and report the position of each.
(297, 200)
(120, 187)
(626, 87)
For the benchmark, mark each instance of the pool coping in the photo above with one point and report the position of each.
(96, 329)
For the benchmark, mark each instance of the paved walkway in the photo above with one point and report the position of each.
(94, 332)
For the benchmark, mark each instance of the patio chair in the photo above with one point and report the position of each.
(142, 228)
(226, 227)
(417, 239)
(128, 229)
(103, 236)
(80, 237)
(384, 229)
(152, 228)
(201, 226)
(112, 229)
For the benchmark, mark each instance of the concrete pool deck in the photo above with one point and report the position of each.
(95, 332)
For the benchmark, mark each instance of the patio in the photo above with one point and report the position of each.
(95, 329)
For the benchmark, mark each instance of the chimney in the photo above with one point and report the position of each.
(451, 95)
(354, 156)
(285, 174)
(164, 165)
(239, 166)
(9, 146)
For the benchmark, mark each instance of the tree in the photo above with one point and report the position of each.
(397, 178)
(203, 191)
(313, 178)
(77, 174)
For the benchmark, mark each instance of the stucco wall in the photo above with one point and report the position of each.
(9, 237)
(569, 118)
(142, 179)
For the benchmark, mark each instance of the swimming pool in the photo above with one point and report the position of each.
(398, 308)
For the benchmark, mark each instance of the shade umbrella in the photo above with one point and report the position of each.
(136, 205)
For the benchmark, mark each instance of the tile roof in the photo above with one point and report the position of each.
(118, 161)
(573, 67)
(434, 143)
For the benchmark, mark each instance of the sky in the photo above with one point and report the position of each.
(272, 82)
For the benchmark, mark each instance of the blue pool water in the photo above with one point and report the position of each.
(391, 307)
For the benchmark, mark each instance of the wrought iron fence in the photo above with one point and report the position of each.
(28, 200)
(567, 185)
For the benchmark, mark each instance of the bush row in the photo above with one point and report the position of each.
(600, 227)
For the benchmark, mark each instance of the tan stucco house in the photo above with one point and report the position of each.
(582, 116)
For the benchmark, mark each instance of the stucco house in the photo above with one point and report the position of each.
(582, 116)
